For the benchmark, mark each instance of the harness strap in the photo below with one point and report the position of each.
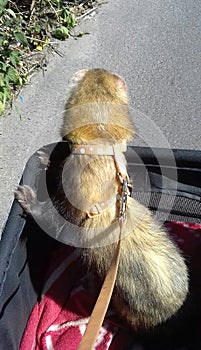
(100, 149)
(100, 207)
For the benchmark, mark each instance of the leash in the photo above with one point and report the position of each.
(98, 314)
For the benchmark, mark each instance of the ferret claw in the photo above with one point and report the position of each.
(44, 158)
(25, 196)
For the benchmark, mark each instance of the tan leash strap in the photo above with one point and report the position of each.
(98, 314)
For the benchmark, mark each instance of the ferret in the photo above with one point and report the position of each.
(152, 279)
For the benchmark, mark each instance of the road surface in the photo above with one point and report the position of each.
(154, 45)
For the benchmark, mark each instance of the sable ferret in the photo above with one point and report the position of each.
(152, 280)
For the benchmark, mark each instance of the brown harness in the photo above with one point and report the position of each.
(102, 303)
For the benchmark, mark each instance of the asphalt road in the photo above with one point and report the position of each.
(154, 45)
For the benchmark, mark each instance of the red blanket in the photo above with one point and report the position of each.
(59, 320)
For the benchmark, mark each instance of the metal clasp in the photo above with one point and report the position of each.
(124, 197)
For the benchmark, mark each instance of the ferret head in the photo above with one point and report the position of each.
(97, 108)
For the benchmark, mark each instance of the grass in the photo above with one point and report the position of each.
(26, 28)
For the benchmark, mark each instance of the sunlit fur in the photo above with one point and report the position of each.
(101, 100)
(152, 280)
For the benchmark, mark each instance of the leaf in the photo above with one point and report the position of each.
(2, 107)
(72, 21)
(39, 48)
(3, 5)
(2, 77)
(11, 12)
(61, 33)
(3, 68)
(15, 57)
(2, 38)
(12, 75)
(19, 81)
(21, 38)
(4, 94)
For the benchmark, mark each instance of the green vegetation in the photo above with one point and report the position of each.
(26, 27)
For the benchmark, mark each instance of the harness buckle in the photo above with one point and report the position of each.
(124, 198)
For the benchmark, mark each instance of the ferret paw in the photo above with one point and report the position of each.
(44, 158)
(26, 197)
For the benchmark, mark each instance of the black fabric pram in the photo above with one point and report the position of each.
(166, 181)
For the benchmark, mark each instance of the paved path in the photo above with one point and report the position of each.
(154, 45)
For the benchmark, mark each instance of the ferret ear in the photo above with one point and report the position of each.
(121, 84)
(78, 76)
